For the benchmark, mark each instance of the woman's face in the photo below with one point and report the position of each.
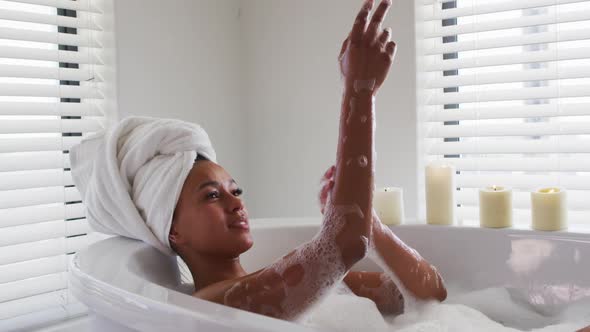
(210, 217)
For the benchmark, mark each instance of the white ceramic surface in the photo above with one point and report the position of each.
(128, 285)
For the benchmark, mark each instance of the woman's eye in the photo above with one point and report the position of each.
(238, 192)
(213, 194)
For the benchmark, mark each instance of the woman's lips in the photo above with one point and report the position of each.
(240, 224)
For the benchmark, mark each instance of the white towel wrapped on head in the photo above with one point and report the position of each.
(131, 175)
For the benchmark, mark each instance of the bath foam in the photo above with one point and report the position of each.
(410, 301)
(363, 161)
(387, 287)
(344, 311)
(322, 261)
(322, 268)
(329, 314)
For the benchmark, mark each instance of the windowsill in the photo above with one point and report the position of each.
(299, 221)
(572, 229)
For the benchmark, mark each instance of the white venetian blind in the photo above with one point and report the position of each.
(50, 97)
(504, 95)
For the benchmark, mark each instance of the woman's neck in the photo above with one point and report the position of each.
(207, 270)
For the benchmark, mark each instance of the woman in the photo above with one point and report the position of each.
(210, 222)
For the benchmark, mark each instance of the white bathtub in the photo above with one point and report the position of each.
(129, 285)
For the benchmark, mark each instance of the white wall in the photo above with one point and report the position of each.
(180, 59)
(261, 76)
(293, 101)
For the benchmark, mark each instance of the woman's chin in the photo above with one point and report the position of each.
(242, 242)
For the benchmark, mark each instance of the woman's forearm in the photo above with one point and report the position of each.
(353, 180)
(354, 157)
(414, 272)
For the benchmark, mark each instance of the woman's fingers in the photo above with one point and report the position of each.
(344, 46)
(376, 20)
(384, 39)
(329, 173)
(390, 49)
(360, 23)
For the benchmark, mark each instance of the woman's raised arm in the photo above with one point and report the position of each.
(288, 287)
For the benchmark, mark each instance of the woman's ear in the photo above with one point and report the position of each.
(174, 237)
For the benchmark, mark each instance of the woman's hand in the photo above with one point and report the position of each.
(367, 52)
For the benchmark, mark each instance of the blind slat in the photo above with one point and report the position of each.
(581, 90)
(35, 179)
(544, 74)
(57, 109)
(46, 248)
(84, 38)
(38, 196)
(82, 56)
(523, 164)
(78, 5)
(510, 146)
(50, 126)
(40, 213)
(513, 129)
(557, 54)
(47, 90)
(509, 112)
(31, 315)
(519, 40)
(42, 231)
(521, 22)
(38, 144)
(84, 73)
(439, 14)
(33, 268)
(82, 21)
(25, 161)
(34, 286)
(22, 306)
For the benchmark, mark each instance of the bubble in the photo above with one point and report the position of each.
(348, 162)
(362, 160)
(363, 119)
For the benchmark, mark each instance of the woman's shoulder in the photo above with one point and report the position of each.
(216, 292)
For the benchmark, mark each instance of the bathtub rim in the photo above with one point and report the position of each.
(206, 312)
(100, 296)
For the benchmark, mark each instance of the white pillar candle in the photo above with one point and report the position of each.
(440, 194)
(495, 207)
(389, 205)
(549, 207)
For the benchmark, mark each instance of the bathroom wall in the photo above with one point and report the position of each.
(181, 59)
(293, 96)
(261, 76)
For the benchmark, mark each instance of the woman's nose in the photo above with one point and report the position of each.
(236, 204)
